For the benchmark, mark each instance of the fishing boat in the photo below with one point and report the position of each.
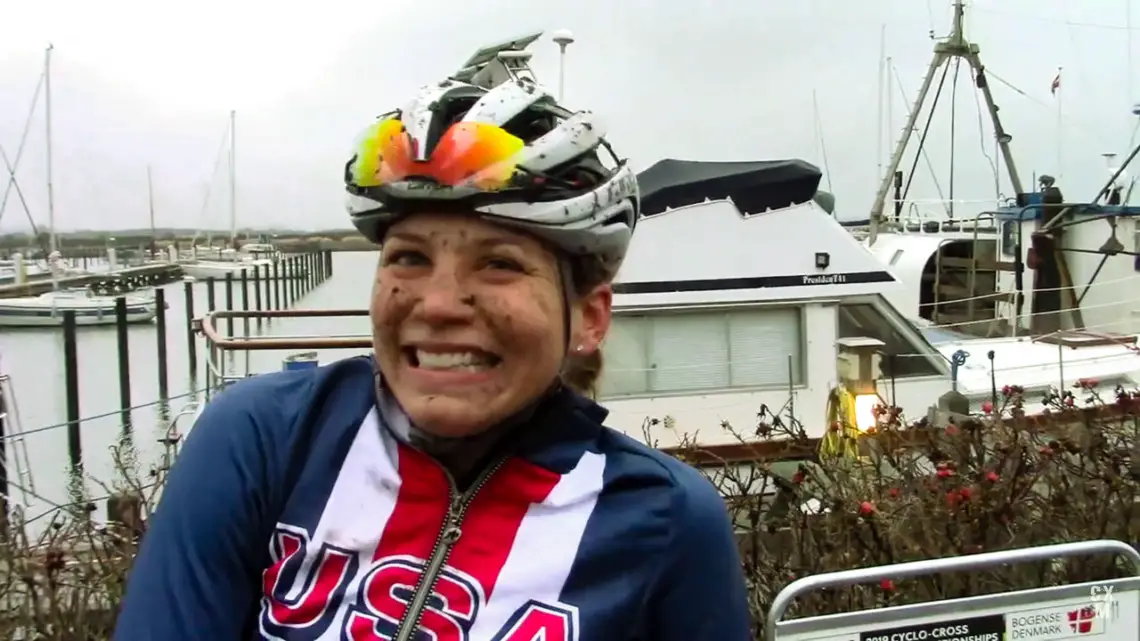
(1031, 264)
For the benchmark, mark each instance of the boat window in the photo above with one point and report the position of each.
(895, 258)
(1008, 239)
(670, 353)
(1136, 249)
(902, 358)
(940, 335)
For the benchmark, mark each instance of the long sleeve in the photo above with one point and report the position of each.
(701, 593)
(195, 578)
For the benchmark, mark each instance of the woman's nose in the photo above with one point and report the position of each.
(445, 298)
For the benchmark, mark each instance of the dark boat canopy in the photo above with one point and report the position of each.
(753, 186)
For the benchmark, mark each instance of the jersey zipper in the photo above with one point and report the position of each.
(449, 533)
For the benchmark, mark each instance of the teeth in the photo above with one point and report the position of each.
(459, 361)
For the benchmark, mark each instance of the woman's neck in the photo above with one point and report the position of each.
(463, 457)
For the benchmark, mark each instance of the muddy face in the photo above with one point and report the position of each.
(467, 321)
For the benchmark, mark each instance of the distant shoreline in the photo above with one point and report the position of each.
(97, 242)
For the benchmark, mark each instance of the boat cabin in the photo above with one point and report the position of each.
(258, 251)
(733, 298)
(1032, 268)
(1081, 275)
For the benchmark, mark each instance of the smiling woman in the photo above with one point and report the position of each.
(468, 321)
(454, 485)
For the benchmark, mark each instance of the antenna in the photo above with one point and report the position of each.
(563, 38)
(955, 46)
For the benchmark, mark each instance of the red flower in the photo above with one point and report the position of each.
(866, 508)
(992, 476)
(887, 585)
(987, 407)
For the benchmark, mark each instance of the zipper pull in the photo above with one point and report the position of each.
(453, 529)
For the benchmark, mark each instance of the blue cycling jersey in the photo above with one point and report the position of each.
(294, 512)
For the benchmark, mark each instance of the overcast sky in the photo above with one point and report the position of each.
(139, 83)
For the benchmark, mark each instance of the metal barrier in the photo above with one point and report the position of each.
(1111, 608)
(219, 346)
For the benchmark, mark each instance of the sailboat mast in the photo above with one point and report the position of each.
(233, 178)
(47, 119)
(882, 88)
(150, 204)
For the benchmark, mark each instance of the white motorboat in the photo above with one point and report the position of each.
(217, 269)
(47, 310)
(18, 269)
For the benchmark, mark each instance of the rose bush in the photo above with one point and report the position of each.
(1004, 479)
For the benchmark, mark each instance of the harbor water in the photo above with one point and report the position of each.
(35, 361)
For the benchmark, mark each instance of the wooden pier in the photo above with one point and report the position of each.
(128, 279)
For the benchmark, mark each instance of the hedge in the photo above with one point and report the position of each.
(996, 481)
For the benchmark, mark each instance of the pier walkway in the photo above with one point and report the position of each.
(130, 277)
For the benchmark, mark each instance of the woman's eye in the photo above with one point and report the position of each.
(504, 263)
(406, 258)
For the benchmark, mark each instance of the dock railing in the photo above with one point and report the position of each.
(223, 351)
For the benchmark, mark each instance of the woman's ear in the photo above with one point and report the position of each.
(594, 312)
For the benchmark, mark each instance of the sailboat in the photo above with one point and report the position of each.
(234, 261)
(48, 309)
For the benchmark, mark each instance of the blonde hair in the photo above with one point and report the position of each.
(581, 373)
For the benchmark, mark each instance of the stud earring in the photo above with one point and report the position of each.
(580, 348)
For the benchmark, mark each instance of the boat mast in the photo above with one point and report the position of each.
(233, 179)
(882, 88)
(50, 185)
(150, 203)
(954, 46)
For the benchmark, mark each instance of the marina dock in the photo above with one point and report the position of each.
(130, 277)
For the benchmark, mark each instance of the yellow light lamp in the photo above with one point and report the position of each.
(859, 367)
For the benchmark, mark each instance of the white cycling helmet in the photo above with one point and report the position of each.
(509, 154)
